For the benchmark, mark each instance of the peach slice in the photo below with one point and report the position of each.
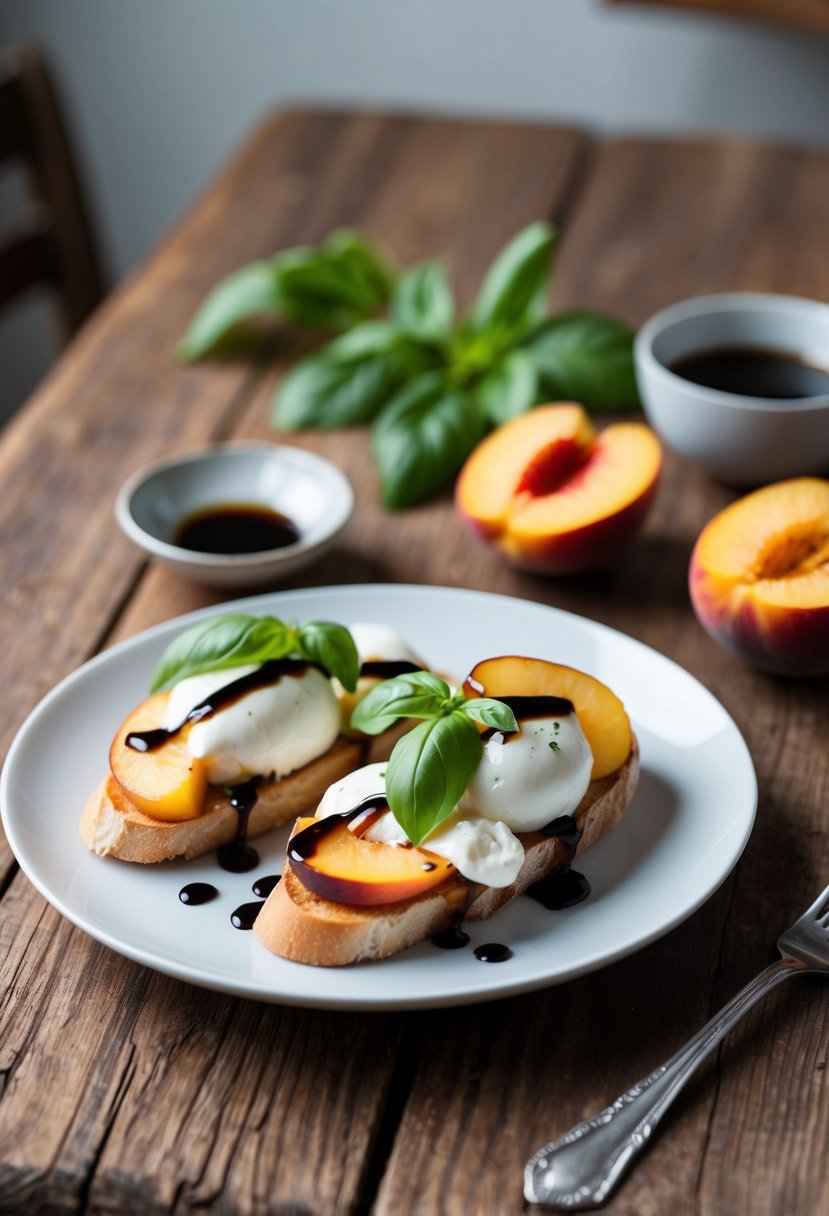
(556, 496)
(601, 714)
(335, 863)
(759, 577)
(166, 783)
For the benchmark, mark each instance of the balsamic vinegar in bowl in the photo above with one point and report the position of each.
(753, 372)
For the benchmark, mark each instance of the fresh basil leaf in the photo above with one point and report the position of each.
(253, 289)
(219, 643)
(585, 357)
(510, 389)
(429, 770)
(490, 712)
(332, 646)
(349, 380)
(422, 305)
(417, 694)
(331, 286)
(365, 263)
(514, 289)
(422, 437)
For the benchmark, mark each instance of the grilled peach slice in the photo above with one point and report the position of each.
(339, 865)
(553, 494)
(166, 783)
(759, 577)
(601, 714)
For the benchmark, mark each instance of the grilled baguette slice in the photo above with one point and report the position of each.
(112, 826)
(299, 925)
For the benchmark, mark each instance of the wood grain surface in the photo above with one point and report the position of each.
(125, 1091)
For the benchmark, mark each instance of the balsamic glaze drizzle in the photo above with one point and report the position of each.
(238, 857)
(301, 848)
(269, 673)
(453, 938)
(530, 707)
(387, 669)
(565, 886)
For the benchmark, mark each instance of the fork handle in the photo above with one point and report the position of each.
(581, 1169)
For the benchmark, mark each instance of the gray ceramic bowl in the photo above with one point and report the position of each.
(311, 491)
(742, 440)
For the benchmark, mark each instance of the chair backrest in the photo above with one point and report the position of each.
(52, 243)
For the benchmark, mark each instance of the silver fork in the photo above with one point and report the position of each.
(581, 1169)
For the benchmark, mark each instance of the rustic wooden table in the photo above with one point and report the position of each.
(126, 1091)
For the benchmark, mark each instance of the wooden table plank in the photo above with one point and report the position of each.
(180, 1100)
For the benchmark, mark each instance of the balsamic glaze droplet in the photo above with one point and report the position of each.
(492, 952)
(453, 938)
(197, 893)
(562, 889)
(244, 916)
(263, 886)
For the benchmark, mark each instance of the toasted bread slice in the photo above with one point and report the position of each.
(299, 925)
(112, 826)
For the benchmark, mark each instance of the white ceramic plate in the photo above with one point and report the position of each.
(685, 829)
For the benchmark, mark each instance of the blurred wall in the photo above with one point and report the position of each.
(159, 91)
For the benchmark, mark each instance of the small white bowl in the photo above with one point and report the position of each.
(742, 440)
(312, 492)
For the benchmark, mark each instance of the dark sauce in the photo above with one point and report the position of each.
(269, 673)
(452, 938)
(244, 916)
(387, 669)
(753, 372)
(303, 846)
(565, 886)
(263, 886)
(238, 857)
(196, 893)
(229, 528)
(561, 889)
(525, 708)
(492, 952)
(565, 829)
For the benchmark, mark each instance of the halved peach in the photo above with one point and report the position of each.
(166, 783)
(555, 495)
(601, 714)
(759, 577)
(336, 864)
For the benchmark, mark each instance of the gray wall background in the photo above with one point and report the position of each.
(159, 91)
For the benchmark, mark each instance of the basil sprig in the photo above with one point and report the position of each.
(239, 639)
(432, 384)
(431, 766)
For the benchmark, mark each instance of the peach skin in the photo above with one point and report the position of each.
(759, 577)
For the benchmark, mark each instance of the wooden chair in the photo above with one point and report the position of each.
(52, 244)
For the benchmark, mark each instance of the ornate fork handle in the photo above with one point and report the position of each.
(581, 1169)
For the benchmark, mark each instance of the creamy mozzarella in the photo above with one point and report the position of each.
(272, 730)
(482, 851)
(528, 779)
